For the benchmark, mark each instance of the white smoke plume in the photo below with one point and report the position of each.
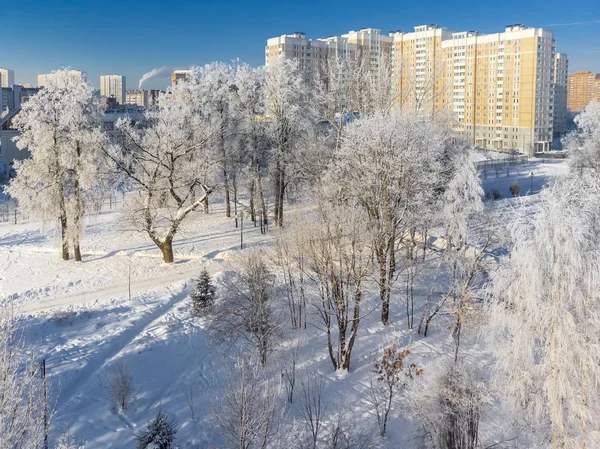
(163, 72)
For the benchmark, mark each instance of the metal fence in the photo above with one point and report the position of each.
(11, 213)
(501, 163)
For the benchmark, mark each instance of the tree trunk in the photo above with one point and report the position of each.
(205, 202)
(252, 207)
(263, 205)
(227, 199)
(166, 248)
(63, 229)
(78, 216)
(280, 194)
(64, 238)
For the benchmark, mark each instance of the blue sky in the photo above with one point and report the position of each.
(133, 37)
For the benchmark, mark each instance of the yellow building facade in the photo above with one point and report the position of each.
(498, 89)
(583, 87)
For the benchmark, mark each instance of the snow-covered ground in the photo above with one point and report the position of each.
(81, 318)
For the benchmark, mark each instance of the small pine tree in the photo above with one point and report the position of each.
(160, 433)
(515, 189)
(203, 295)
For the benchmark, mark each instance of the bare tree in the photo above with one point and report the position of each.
(246, 414)
(246, 312)
(292, 262)
(335, 242)
(312, 408)
(391, 378)
(121, 385)
(289, 370)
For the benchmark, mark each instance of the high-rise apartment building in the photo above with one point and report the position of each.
(583, 87)
(561, 81)
(7, 77)
(499, 87)
(310, 53)
(113, 86)
(76, 74)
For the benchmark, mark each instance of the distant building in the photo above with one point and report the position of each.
(108, 102)
(113, 85)
(145, 98)
(7, 77)
(583, 88)
(78, 74)
(561, 81)
(179, 75)
(11, 98)
(9, 153)
(137, 97)
(112, 115)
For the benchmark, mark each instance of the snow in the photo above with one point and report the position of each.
(79, 316)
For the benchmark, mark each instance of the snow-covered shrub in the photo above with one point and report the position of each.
(121, 385)
(159, 434)
(203, 294)
(449, 405)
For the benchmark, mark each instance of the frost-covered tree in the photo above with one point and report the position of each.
(291, 113)
(544, 312)
(167, 157)
(58, 127)
(211, 89)
(583, 144)
(159, 434)
(249, 108)
(338, 85)
(203, 294)
(21, 391)
(391, 166)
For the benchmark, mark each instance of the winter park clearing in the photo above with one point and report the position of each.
(122, 304)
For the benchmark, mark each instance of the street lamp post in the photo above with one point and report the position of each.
(531, 184)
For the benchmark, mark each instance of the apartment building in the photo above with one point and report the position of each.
(113, 86)
(145, 98)
(7, 77)
(310, 53)
(583, 87)
(561, 82)
(76, 74)
(498, 87)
